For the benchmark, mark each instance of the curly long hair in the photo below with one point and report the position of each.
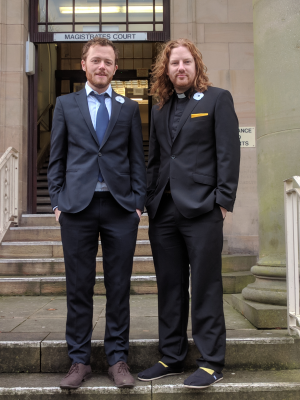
(161, 86)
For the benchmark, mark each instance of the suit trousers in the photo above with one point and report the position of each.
(80, 236)
(177, 243)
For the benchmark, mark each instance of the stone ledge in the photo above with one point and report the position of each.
(240, 385)
(262, 316)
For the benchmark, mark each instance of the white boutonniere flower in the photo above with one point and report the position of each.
(198, 96)
(120, 99)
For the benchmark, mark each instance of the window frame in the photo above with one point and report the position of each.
(42, 37)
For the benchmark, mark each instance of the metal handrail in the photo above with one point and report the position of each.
(9, 193)
(40, 121)
(49, 106)
(292, 235)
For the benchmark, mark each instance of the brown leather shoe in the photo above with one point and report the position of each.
(120, 375)
(76, 375)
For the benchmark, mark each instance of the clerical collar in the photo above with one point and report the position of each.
(184, 95)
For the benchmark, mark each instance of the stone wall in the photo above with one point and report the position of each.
(223, 31)
(14, 85)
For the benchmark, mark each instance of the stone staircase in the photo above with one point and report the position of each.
(31, 261)
(259, 364)
(43, 203)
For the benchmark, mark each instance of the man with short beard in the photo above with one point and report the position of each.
(97, 184)
(192, 179)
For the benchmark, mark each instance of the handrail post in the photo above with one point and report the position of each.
(291, 207)
(9, 191)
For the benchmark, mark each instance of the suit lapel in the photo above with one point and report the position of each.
(115, 111)
(186, 113)
(81, 100)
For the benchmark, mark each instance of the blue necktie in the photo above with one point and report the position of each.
(101, 121)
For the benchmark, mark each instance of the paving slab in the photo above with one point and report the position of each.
(234, 320)
(50, 313)
(42, 324)
(22, 336)
(144, 306)
(8, 324)
(22, 306)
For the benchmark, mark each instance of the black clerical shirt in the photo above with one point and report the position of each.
(179, 102)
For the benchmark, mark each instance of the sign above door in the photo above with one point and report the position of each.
(114, 36)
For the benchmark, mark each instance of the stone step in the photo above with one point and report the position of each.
(42, 192)
(238, 262)
(48, 219)
(56, 285)
(44, 209)
(55, 266)
(42, 184)
(42, 178)
(235, 282)
(254, 385)
(42, 249)
(20, 285)
(50, 233)
(246, 350)
(43, 200)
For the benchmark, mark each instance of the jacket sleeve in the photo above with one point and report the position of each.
(153, 160)
(58, 154)
(137, 160)
(228, 150)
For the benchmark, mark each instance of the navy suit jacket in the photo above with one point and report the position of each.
(76, 156)
(202, 163)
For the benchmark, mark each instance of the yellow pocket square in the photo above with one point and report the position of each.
(198, 115)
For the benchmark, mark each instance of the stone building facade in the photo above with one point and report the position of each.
(222, 30)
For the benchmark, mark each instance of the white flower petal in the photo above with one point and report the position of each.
(120, 99)
(198, 96)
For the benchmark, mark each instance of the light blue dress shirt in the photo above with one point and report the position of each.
(94, 105)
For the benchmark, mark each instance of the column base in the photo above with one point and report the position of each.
(261, 315)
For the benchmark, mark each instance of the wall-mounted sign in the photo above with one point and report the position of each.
(113, 36)
(247, 136)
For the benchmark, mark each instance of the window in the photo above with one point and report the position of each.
(115, 16)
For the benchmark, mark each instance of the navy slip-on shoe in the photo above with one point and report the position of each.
(159, 370)
(202, 378)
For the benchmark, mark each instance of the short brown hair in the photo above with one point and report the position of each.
(98, 41)
(161, 86)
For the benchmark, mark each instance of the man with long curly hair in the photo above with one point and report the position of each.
(192, 180)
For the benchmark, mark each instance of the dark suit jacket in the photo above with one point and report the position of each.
(203, 161)
(76, 156)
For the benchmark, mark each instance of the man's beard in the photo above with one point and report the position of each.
(96, 83)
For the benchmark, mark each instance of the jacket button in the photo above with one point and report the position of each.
(99, 154)
(173, 157)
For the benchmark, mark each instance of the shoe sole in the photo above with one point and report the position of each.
(159, 377)
(87, 377)
(203, 387)
(125, 386)
(121, 386)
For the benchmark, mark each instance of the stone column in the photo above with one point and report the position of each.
(277, 98)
